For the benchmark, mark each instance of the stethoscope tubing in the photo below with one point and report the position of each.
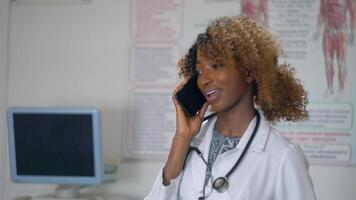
(258, 120)
(244, 151)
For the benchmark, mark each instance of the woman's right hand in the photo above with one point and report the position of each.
(187, 126)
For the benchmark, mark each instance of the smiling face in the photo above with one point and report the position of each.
(224, 86)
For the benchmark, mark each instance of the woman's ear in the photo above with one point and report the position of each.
(250, 76)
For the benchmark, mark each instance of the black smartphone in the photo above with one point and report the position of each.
(190, 97)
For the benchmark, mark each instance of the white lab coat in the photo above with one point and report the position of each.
(273, 169)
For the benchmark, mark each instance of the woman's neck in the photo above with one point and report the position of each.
(234, 123)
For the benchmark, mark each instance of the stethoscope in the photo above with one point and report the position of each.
(221, 184)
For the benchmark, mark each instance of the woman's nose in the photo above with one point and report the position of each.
(204, 79)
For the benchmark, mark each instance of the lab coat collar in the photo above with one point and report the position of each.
(259, 142)
(203, 139)
(202, 142)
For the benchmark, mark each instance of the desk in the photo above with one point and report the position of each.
(82, 197)
(40, 192)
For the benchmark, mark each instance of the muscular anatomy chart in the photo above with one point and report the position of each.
(333, 18)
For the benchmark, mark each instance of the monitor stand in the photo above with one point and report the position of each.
(67, 191)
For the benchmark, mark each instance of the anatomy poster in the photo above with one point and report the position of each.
(317, 38)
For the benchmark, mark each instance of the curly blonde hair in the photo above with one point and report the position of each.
(277, 92)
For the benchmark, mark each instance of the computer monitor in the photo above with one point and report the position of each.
(55, 145)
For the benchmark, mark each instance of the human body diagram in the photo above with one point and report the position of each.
(337, 18)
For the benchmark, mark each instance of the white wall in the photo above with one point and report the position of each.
(4, 21)
(72, 55)
(332, 183)
(78, 55)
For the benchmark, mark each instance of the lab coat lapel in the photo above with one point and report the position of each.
(202, 142)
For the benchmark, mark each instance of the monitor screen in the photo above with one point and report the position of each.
(55, 145)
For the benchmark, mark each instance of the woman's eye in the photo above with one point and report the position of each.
(216, 66)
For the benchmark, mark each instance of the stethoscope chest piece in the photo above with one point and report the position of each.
(221, 184)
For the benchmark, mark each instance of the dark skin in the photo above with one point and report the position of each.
(229, 92)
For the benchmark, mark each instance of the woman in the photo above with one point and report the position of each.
(236, 154)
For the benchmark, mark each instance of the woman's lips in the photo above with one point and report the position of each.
(212, 95)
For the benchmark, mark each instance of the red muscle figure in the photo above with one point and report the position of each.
(333, 16)
(256, 10)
